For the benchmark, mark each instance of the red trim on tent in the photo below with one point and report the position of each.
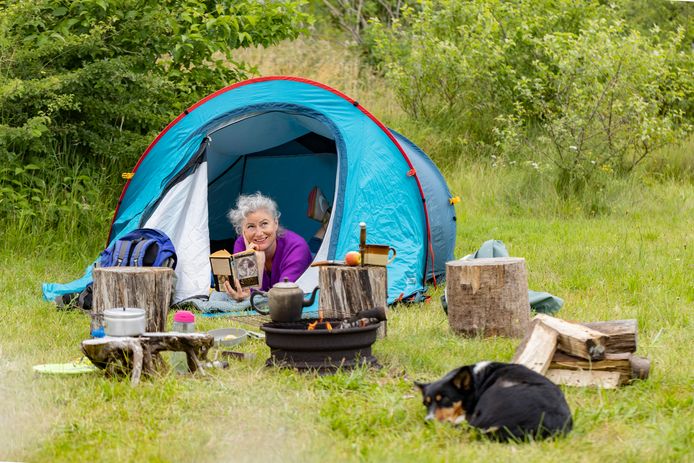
(430, 249)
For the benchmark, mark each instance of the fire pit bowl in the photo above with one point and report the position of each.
(294, 345)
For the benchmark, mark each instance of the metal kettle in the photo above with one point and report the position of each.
(286, 301)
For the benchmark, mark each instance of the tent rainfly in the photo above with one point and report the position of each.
(283, 136)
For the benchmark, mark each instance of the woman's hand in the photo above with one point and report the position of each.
(249, 246)
(237, 293)
(260, 258)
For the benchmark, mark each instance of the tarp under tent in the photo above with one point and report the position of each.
(283, 136)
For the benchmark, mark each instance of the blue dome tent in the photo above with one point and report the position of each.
(283, 136)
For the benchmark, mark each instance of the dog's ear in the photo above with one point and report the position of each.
(421, 386)
(462, 379)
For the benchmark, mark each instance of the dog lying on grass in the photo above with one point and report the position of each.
(505, 401)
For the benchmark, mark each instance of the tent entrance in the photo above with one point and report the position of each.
(282, 154)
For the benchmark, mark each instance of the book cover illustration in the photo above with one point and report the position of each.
(242, 266)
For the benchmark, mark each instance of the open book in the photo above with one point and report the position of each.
(242, 266)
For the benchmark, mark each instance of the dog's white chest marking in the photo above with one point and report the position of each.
(507, 383)
(479, 366)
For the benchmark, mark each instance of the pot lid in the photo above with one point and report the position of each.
(286, 284)
(124, 313)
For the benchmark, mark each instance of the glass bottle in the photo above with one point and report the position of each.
(183, 322)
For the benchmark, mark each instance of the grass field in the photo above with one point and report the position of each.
(634, 261)
(630, 264)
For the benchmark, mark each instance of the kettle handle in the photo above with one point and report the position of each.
(258, 309)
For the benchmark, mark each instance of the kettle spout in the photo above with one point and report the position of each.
(312, 299)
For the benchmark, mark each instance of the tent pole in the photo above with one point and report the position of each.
(243, 174)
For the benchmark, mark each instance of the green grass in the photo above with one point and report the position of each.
(634, 262)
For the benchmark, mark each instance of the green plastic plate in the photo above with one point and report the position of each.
(72, 368)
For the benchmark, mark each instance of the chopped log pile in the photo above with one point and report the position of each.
(583, 354)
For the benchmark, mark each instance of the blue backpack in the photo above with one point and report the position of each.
(144, 247)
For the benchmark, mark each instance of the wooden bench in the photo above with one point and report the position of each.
(120, 356)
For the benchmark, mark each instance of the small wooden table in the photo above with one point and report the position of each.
(137, 355)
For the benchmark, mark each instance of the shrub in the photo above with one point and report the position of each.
(571, 81)
(99, 78)
(601, 101)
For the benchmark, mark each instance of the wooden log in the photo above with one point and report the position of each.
(575, 339)
(621, 334)
(619, 363)
(344, 291)
(118, 356)
(488, 297)
(640, 367)
(537, 348)
(584, 378)
(149, 288)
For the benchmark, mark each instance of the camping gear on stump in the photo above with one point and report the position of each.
(349, 290)
(378, 254)
(125, 321)
(290, 130)
(488, 297)
(583, 354)
(319, 344)
(286, 301)
(141, 355)
(148, 288)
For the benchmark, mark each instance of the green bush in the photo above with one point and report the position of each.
(567, 83)
(98, 79)
(600, 103)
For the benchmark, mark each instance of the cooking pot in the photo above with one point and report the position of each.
(124, 321)
(286, 301)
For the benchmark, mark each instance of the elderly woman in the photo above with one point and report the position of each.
(286, 254)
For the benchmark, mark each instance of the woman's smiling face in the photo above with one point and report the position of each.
(260, 229)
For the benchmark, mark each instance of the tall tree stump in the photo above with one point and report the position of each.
(488, 297)
(149, 288)
(344, 291)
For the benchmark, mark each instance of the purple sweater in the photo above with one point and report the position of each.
(292, 258)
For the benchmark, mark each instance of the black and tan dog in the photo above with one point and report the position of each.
(505, 401)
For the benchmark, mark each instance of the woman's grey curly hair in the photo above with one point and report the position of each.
(248, 204)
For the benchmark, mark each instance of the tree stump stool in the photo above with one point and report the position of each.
(120, 356)
(149, 288)
(488, 297)
(344, 291)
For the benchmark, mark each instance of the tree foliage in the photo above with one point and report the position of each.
(600, 92)
(353, 16)
(102, 76)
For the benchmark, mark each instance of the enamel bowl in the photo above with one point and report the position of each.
(227, 337)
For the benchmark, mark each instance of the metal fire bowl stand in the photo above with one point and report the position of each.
(293, 346)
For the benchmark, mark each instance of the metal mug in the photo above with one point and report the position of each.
(378, 254)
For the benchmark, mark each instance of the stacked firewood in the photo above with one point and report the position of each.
(583, 354)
